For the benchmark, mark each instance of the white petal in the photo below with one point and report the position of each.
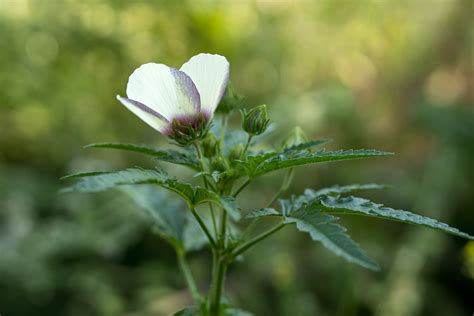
(163, 89)
(210, 74)
(151, 119)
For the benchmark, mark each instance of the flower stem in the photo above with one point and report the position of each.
(239, 250)
(244, 152)
(183, 265)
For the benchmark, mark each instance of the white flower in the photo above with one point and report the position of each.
(164, 97)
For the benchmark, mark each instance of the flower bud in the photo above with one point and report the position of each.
(235, 153)
(210, 146)
(296, 137)
(218, 164)
(230, 101)
(255, 121)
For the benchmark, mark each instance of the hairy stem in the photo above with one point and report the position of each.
(188, 277)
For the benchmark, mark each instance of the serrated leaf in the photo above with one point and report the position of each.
(169, 155)
(193, 195)
(236, 312)
(263, 212)
(308, 145)
(258, 165)
(336, 190)
(292, 159)
(360, 206)
(171, 220)
(333, 236)
(188, 311)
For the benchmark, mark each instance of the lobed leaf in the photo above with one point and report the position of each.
(333, 236)
(359, 206)
(263, 212)
(193, 195)
(309, 218)
(171, 221)
(336, 190)
(169, 155)
(308, 145)
(294, 159)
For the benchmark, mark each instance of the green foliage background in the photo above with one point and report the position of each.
(391, 75)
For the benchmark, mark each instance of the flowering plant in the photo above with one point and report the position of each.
(181, 105)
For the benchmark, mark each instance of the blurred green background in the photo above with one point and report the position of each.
(390, 75)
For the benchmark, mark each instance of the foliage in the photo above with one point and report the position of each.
(312, 212)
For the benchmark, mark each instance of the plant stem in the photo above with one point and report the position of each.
(188, 276)
(239, 250)
(244, 152)
(217, 287)
(206, 185)
(203, 227)
(222, 235)
(284, 186)
(246, 183)
(223, 128)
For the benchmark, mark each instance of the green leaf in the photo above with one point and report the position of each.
(289, 160)
(308, 218)
(308, 145)
(263, 212)
(333, 236)
(169, 155)
(360, 206)
(193, 195)
(236, 312)
(336, 190)
(171, 220)
(188, 311)
(268, 162)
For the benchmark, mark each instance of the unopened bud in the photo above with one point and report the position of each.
(210, 146)
(296, 137)
(218, 164)
(235, 153)
(255, 121)
(230, 101)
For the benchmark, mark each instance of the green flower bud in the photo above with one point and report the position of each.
(255, 121)
(296, 137)
(218, 164)
(235, 153)
(231, 100)
(210, 146)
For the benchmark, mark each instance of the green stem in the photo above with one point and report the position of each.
(223, 128)
(206, 185)
(284, 186)
(203, 227)
(244, 152)
(222, 235)
(217, 287)
(188, 276)
(246, 183)
(239, 250)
